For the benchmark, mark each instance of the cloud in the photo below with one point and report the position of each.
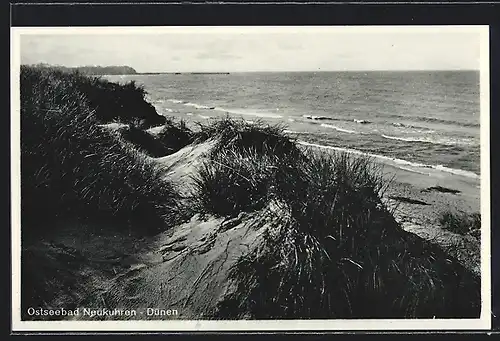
(296, 50)
(217, 56)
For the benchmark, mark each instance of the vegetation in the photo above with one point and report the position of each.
(71, 167)
(143, 141)
(172, 137)
(93, 70)
(109, 101)
(238, 135)
(175, 135)
(245, 166)
(332, 250)
(461, 222)
(76, 173)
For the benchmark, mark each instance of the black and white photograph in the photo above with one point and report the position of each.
(250, 177)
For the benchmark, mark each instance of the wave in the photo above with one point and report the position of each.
(198, 106)
(316, 118)
(339, 129)
(416, 139)
(399, 124)
(412, 170)
(228, 111)
(439, 120)
(249, 113)
(455, 171)
(293, 132)
(432, 120)
(399, 162)
(205, 117)
(178, 101)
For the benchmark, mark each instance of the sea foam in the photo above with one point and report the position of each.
(338, 128)
(400, 162)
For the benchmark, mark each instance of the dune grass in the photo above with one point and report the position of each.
(339, 253)
(110, 101)
(239, 135)
(244, 167)
(143, 141)
(334, 250)
(76, 173)
(72, 168)
(175, 135)
(461, 222)
(232, 182)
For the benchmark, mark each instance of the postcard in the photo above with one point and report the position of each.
(270, 178)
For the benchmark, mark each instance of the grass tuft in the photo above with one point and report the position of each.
(239, 135)
(331, 250)
(249, 165)
(232, 182)
(175, 135)
(143, 141)
(461, 222)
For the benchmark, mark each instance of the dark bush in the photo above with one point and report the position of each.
(72, 168)
(175, 135)
(144, 141)
(461, 222)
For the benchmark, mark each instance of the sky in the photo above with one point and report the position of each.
(225, 49)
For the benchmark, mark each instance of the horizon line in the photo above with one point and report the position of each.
(250, 71)
(278, 71)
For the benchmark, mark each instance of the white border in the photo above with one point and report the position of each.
(483, 323)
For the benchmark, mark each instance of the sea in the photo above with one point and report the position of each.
(427, 119)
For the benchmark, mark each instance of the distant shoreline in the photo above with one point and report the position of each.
(182, 73)
(301, 71)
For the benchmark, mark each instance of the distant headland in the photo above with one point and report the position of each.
(97, 70)
(94, 69)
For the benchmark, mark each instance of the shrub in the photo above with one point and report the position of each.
(232, 182)
(460, 222)
(72, 168)
(238, 135)
(248, 165)
(144, 141)
(119, 101)
(175, 135)
(110, 101)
